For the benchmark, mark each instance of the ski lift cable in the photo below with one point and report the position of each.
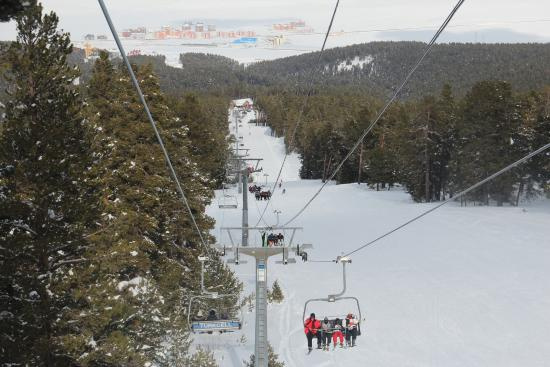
(457, 196)
(304, 105)
(384, 109)
(151, 120)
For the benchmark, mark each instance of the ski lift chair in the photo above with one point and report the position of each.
(222, 323)
(331, 298)
(209, 326)
(227, 201)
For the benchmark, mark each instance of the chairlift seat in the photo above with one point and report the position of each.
(228, 202)
(222, 326)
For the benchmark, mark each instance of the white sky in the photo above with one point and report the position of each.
(530, 17)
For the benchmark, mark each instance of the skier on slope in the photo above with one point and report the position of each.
(337, 333)
(311, 328)
(351, 330)
(326, 332)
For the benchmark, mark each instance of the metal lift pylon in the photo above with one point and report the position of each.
(261, 254)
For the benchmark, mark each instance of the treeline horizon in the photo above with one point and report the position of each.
(435, 146)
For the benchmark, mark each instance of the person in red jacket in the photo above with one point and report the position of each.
(311, 328)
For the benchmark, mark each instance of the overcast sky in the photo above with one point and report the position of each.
(531, 18)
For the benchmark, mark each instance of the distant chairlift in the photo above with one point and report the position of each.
(227, 201)
(214, 322)
(331, 298)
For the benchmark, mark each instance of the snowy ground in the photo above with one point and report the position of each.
(461, 287)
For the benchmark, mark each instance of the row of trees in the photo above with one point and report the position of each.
(435, 146)
(98, 256)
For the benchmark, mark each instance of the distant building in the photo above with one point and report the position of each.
(277, 41)
(211, 28)
(102, 37)
(245, 103)
(89, 37)
(187, 27)
(199, 27)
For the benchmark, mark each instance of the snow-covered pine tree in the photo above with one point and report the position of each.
(45, 203)
(144, 254)
(277, 293)
(9, 9)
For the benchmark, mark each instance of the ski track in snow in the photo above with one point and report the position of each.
(464, 286)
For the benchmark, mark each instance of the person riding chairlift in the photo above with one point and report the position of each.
(311, 329)
(352, 328)
(212, 315)
(337, 333)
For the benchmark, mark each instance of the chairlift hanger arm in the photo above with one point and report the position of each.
(336, 300)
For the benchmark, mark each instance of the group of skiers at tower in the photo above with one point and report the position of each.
(272, 239)
(335, 329)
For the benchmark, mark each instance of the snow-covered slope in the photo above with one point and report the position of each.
(461, 287)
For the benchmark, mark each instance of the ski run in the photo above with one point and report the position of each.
(464, 286)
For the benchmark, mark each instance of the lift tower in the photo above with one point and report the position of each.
(240, 166)
(261, 254)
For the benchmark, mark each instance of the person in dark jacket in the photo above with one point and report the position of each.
(352, 325)
(212, 315)
(311, 328)
(326, 330)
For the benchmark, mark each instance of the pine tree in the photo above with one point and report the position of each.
(277, 293)
(207, 130)
(201, 358)
(9, 9)
(45, 204)
(489, 120)
(144, 254)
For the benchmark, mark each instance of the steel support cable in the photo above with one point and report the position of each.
(384, 109)
(151, 120)
(304, 105)
(460, 194)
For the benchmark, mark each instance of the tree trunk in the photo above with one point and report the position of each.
(520, 191)
(324, 167)
(360, 169)
(427, 163)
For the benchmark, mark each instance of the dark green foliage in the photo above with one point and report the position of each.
(276, 293)
(98, 255)
(461, 65)
(206, 121)
(9, 9)
(45, 204)
(435, 146)
(213, 74)
(201, 358)
(144, 258)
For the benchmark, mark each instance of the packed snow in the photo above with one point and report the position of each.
(356, 62)
(464, 286)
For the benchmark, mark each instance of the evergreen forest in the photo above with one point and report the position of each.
(98, 255)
